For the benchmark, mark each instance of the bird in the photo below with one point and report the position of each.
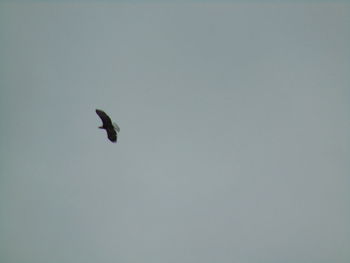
(111, 128)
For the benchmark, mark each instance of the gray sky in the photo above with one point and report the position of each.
(234, 142)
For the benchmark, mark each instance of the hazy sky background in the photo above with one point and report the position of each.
(234, 142)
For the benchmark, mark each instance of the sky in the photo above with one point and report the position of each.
(234, 142)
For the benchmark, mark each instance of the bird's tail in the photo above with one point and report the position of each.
(116, 127)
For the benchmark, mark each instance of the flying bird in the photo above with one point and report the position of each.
(111, 128)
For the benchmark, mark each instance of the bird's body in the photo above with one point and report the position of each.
(108, 126)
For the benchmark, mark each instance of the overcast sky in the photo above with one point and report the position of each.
(234, 142)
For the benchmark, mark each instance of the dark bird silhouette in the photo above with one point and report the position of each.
(111, 128)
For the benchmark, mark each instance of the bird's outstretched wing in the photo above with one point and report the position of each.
(112, 135)
(107, 122)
